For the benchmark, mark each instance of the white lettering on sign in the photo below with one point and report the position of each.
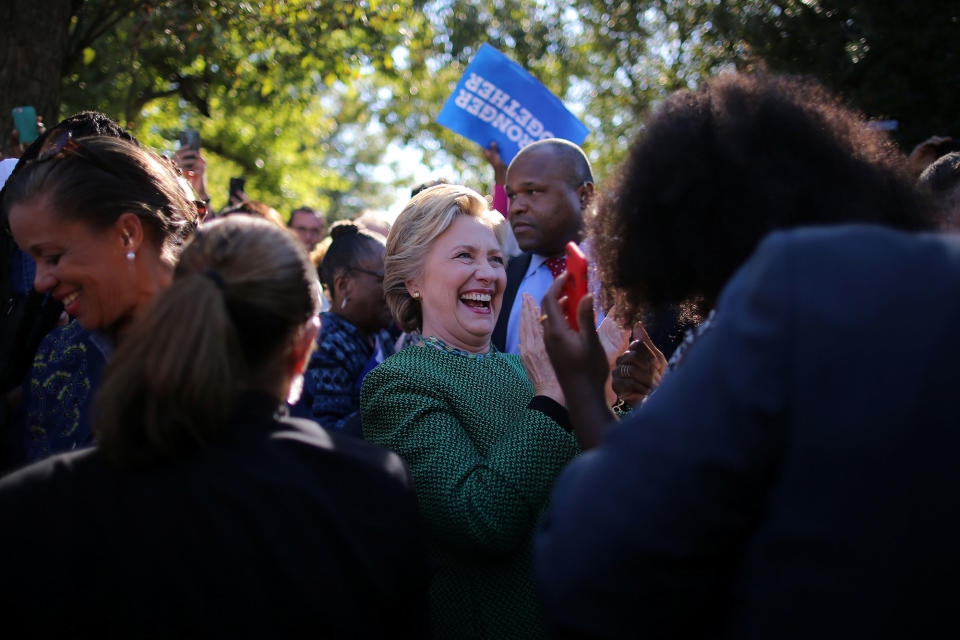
(481, 98)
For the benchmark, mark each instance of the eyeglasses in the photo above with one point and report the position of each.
(375, 274)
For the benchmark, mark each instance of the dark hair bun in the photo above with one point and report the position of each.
(343, 229)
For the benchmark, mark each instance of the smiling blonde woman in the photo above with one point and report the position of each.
(484, 433)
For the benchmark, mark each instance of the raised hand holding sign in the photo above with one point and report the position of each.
(498, 100)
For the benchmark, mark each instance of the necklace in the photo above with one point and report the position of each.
(440, 345)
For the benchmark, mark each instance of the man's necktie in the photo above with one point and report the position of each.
(557, 265)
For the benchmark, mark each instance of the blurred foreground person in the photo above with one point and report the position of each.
(203, 511)
(715, 171)
(795, 475)
(484, 432)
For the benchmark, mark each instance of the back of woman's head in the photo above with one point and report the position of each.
(242, 290)
(254, 208)
(717, 169)
(98, 178)
(426, 216)
(349, 245)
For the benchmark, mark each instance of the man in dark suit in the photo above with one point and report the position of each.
(550, 185)
(796, 476)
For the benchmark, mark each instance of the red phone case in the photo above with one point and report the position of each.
(576, 286)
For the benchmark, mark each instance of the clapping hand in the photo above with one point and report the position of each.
(534, 354)
(638, 370)
(580, 363)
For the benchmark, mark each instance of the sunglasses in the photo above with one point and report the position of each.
(375, 274)
(61, 141)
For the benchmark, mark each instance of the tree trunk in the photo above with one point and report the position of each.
(33, 42)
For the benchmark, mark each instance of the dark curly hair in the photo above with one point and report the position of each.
(716, 169)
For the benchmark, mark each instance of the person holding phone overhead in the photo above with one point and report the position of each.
(484, 433)
(27, 127)
(194, 165)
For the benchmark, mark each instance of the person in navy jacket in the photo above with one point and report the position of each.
(793, 475)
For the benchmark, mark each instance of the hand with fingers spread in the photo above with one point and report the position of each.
(638, 370)
(534, 353)
(579, 362)
(614, 339)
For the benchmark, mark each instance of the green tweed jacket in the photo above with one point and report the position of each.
(483, 463)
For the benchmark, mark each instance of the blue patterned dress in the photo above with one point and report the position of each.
(59, 390)
(331, 383)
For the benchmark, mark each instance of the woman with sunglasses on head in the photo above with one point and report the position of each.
(104, 220)
(204, 511)
(354, 336)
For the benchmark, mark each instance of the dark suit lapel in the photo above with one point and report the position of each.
(516, 269)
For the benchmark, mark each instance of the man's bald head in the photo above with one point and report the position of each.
(571, 157)
(550, 186)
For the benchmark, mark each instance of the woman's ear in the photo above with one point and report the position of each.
(303, 345)
(413, 287)
(130, 229)
(342, 285)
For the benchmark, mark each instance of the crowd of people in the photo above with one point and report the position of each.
(228, 422)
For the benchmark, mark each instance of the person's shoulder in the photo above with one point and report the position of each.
(411, 366)
(60, 338)
(865, 253)
(412, 356)
(519, 262)
(348, 451)
(514, 361)
(23, 485)
(334, 330)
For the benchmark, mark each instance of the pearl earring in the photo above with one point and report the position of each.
(131, 255)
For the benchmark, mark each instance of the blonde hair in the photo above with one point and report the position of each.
(423, 220)
(241, 291)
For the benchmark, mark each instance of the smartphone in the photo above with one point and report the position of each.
(576, 285)
(190, 139)
(237, 186)
(25, 120)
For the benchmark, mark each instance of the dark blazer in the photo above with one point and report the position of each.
(516, 268)
(797, 475)
(280, 528)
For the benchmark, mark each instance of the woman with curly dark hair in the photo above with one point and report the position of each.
(716, 170)
(789, 475)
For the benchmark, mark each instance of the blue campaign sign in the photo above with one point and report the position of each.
(497, 100)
